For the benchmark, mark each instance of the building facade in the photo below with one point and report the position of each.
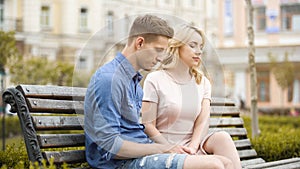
(277, 33)
(60, 29)
(83, 32)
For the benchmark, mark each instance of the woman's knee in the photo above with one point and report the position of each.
(222, 135)
(218, 140)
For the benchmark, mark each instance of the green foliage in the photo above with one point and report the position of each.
(8, 48)
(39, 70)
(16, 157)
(12, 126)
(81, 79)
(13, 154)
(284, 72)
(279, 138)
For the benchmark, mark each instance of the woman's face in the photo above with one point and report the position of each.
(190, 53)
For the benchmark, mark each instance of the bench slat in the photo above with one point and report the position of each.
(240, 132)
(286, 163)
(247, 153)
(58, 122)
(61, 140)
(72, 156)
(48, 105)
(244, 143)
(226, 122)
(224, 111)
(57, 92)
(252, 161)
(217, 101)
(294, 165)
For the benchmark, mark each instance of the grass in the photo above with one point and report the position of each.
(279, 137)
(17, 140)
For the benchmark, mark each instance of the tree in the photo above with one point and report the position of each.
(284, 73)
(38, 70)
(8, 48)
(252, 66)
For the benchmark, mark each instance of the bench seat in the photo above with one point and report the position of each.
(51, 119)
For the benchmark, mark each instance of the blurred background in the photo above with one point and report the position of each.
(53, 33)
(62, 42)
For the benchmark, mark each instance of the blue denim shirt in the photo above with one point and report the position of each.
(112, 109)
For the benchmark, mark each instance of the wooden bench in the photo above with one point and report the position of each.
(51, 118)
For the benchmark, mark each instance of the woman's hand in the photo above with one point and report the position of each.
(192, 150)
(177, 149)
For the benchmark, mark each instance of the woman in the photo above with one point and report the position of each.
(171, 110)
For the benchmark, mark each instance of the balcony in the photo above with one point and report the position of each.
(12, 24)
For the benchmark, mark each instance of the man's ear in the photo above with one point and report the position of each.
(139, 41)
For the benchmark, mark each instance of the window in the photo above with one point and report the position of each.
(45, 17)
(228, 18)
(191, 3)
(1, 13)
(83, 19)
(290, 17)
(166, 1)
(294, 93)
(263, 79)
(260, 18)
(82, 62)
(109, 22)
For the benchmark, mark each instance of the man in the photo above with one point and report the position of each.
(114, 136)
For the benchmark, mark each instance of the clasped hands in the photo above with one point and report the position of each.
(182, 149)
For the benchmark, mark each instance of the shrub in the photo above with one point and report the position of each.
(279, 137)
(12, 126)
(13, 155)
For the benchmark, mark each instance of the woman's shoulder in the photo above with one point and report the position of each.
(205, 80)
(156, 74)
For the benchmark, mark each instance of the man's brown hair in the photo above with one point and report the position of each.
(149, 27)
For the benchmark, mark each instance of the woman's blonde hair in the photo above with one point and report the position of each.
(181, 37)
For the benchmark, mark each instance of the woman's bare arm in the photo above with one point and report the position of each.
(201, 125)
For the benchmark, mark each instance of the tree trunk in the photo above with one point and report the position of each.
(252, 67)
(282, 102)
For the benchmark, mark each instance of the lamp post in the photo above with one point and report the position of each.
(2, 109)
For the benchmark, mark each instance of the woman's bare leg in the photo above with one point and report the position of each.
(220, 143)
(207, 162)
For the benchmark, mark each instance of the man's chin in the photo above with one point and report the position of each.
(148, 69)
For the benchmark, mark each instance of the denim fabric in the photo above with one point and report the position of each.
(112, 109)
(157, 161)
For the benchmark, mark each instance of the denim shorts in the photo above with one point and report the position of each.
(156, 161)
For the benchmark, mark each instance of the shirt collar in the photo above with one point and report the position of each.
(130, 71)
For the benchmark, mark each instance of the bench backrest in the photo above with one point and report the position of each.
(51, 118)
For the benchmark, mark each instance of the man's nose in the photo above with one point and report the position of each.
(159, 57)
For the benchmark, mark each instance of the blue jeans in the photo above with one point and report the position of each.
(156, 161)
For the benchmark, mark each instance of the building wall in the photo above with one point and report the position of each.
(233, 51)
(63, 39)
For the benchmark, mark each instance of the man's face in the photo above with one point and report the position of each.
(151, 53)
